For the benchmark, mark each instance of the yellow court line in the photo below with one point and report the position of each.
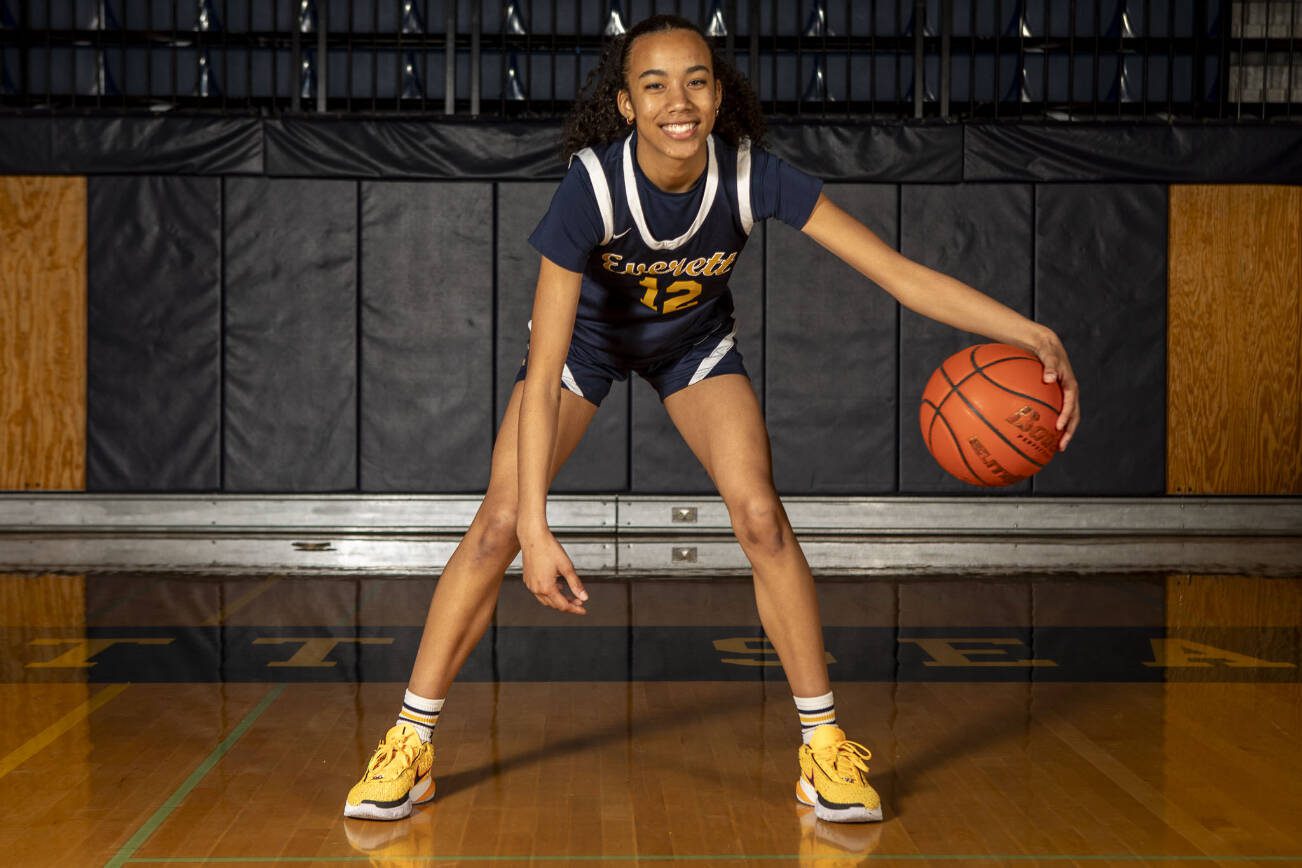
(45, 737)
(241, 601)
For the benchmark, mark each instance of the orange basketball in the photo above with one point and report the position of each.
(988, 417)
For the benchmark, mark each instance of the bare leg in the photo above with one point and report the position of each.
(721, 421)
(467, 591)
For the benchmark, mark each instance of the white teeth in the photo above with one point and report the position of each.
(678, 128)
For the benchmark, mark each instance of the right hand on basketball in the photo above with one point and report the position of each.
(545, 566)
(1057, 368)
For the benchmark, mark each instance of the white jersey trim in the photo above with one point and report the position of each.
(712, 360)
(635, 203)
(743, 186)
(602, 190)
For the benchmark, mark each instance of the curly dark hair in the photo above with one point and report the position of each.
(595, 117)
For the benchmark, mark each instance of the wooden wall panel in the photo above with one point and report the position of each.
(42, 333)
(1234, 419)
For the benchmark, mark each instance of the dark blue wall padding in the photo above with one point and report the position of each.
(154, 332)
(830, 359)
(1100, 283)
(291, 335)
(600, 463)
(661, 462)
(980, 234)
(427, 336)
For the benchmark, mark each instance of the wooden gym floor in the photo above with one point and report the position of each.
(178, 720)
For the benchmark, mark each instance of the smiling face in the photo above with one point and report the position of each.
(672, 95)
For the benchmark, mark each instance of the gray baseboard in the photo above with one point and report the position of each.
(660, 537)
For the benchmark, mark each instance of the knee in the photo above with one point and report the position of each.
(496, 538)
(760, 525)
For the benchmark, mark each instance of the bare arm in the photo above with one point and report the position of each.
(555, 303)
(944, 299)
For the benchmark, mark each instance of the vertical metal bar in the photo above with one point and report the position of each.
(946, 66)
(899, 31)
(375, 55)
(424, 59)
(1171, 60)
(1198, 75)
(1046, 40)
(173, 71)
(578, 85)
(248, 55)
(24, 51)
(295, 63)
(849, 57)
(1148, 50)
(999, 55)
(1265, 62)
(1288, 84)
(1238, 94)
(919, 55)
(1098, 42)
(1019, 7)
(800, 61)
(753, 45)
(226, 53)
(450, 58)
(773, 55)
(872, 58)
(348, 59)
(475, 82)
(1071, 59)
(122, 54)
(398, 55)
(971, 55)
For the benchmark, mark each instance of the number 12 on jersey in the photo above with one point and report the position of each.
(678, 295)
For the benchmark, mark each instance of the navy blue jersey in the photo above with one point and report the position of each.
(656, 265)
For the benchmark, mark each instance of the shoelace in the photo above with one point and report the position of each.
(386, 754)
(848, 759)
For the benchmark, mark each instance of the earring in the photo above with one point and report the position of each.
(628, 121)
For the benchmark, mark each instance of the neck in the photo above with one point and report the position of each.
(670, 175)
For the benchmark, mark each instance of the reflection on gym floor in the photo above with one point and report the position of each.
(156, 718)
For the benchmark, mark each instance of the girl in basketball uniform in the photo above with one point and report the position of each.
(665, 182)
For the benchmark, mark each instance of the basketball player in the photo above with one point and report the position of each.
(664, 185)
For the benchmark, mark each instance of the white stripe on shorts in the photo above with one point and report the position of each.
(709, 362)
(568, 381)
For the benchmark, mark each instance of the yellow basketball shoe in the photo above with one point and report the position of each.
(398, 776)
(834, 778)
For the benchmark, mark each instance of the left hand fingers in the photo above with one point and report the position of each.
(1058, 369)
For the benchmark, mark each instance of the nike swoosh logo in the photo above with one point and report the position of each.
(622, 234)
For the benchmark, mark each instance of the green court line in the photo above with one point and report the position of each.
(174, 801)
(739, 857)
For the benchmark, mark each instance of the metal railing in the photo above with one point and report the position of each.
(1032, 59)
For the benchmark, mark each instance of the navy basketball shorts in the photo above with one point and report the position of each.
(589, 372)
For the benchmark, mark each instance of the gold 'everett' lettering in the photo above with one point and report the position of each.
(944, 653)
(78, 656)
(1169, 653)
(315, 648)
(763, 651)
(715, 264)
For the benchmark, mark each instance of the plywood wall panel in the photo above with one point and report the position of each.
(1234, 423)
(42, 333)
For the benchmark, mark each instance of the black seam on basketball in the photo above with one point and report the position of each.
(972, 373)
(997, 432)
(958, 447)
(1039, 401)
(931, 426)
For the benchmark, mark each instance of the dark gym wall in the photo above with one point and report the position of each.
(301, 335)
